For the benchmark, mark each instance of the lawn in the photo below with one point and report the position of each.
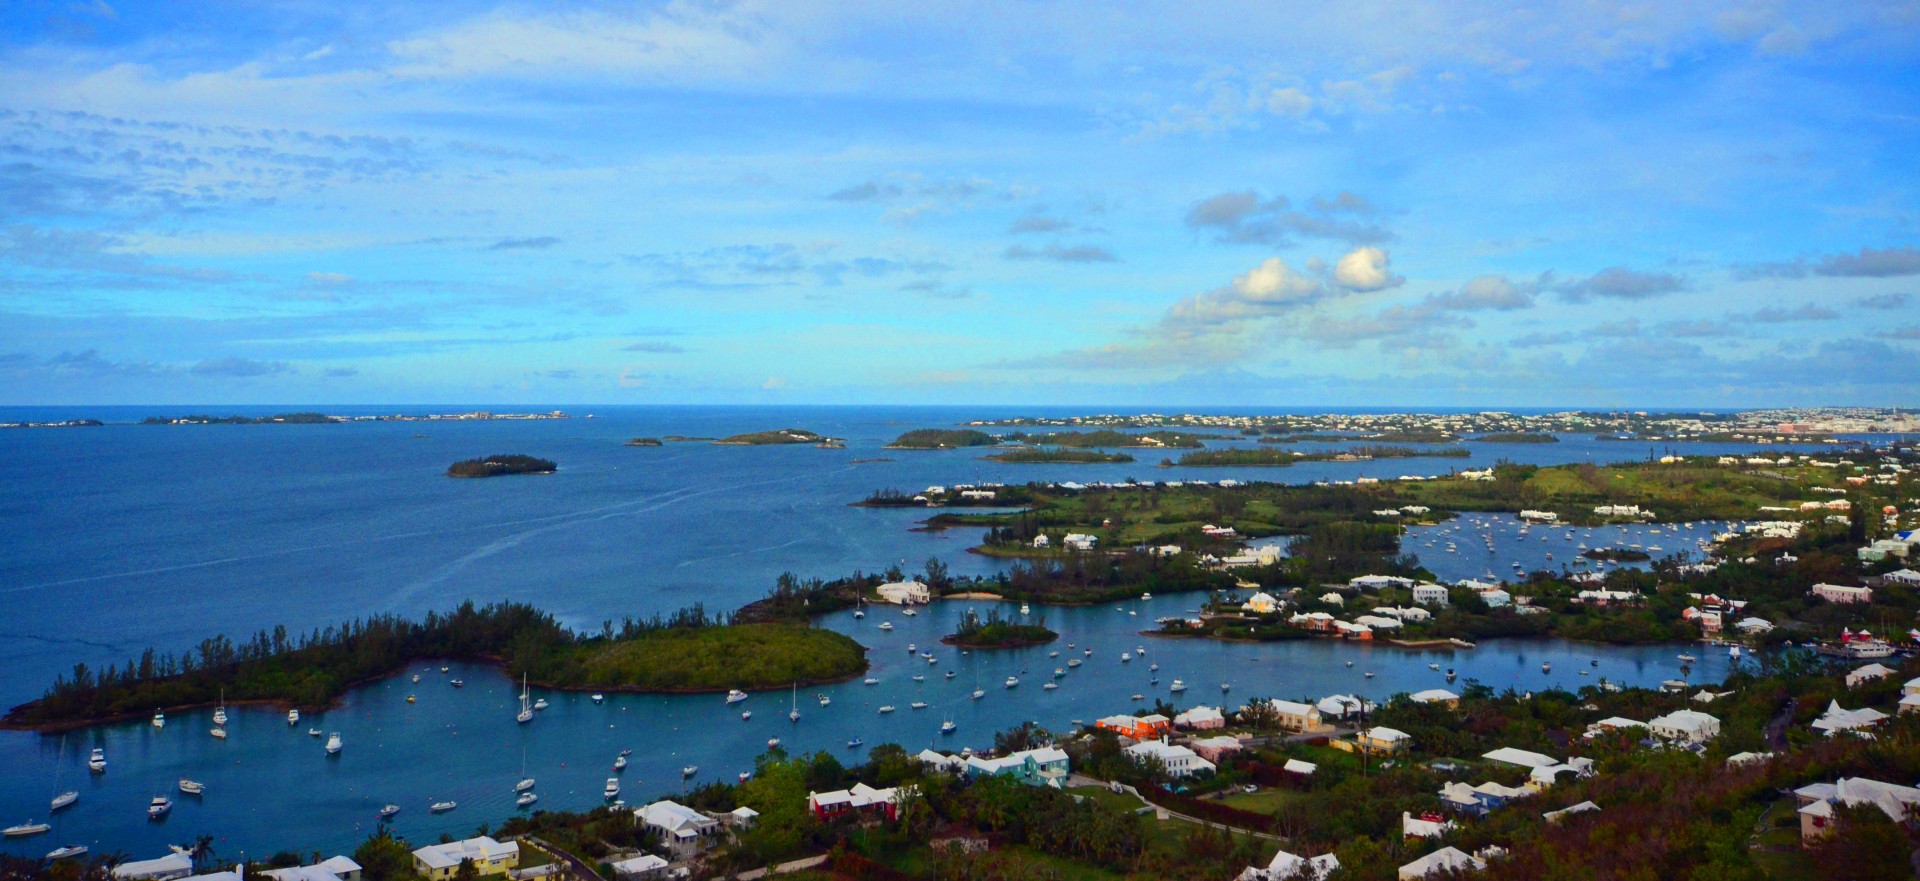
(1266, 801)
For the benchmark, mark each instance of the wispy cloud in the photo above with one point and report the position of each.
(1621, 283)
(1062, 253)
(1864, 263)
(1244, 218)
(244, 368)
(536, 243)
(653, 347)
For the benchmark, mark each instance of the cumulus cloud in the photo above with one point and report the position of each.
(536, 243)
(1365, 269)
(1621, 283)
(244, 368)
(1062, 253)
(653, 347)
(1244, 218)
(1864, 263)
(1488, 292)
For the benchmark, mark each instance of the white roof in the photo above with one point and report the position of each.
(1738, 759)
(1414, 827)
(1287, 867)
(639, 864)
(1432, 695)
(1296, 766)
(1521, 757)
(1043, 755)
(1444, 859)
(446, 856)
(171, 864)
(1581, 808)
(329, 869)
(1390, 735)
(1341, 704)
(1291, 708)
(675, 818)
(1837, 719)
(1685, 720)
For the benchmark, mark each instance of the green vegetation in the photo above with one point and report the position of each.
(644, 442)
(1035, 455)
(497, 465)
(1272, 457)
(687, 651)
(995, 631)
(942, 439)
(776, 437)
(1392, 437)
(1518, 437)
(1618, 555)
(277, 419)
(1082, 440)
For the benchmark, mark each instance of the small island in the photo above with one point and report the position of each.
(276, 419)
(1082, 440)
(1617, 555)
(996, 632)
(942, 439)
(777, 437)
(498, 465)
(1270, 457)
(1049, 455)
(1518, 437)
(644, 442)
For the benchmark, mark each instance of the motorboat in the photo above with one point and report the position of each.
(746, 715)
(917, 705)
(744, 776)
(441, 807)
(1087, 652)
(1433, 666)
(612, 789)
(826, 701)
(192, 787)
(1369, 674)
(886, 625)
(978, 694)
(159, 807)
(459, 683)
(773, 743)
(443, 668)
(1733, 651)
(913, 648)
(1177, 686)
(599, 698)
(1546, 666)
(887, 709)
(1073, 662)
(855, 743)
(1125, 657)
(1049, 686)
(220, 733)
(68, 852)
(1053, 654)
(950, 674)
(540, 703)
(97, 763)
(63, 800)
(689, 770)
(1025, 609)
(626, 752)
(159, 719)
(410, 699)
(1687, 659)
(416, 677)
(526, 799)
(1147, 595)
(1153, 668)
(1059, 672)
(314, 732)
(919, 678)
(1225, 687)
(909, 612)
(948, 727)
(1011, 682)
(619, 763)
(735, 695)
(871, 681)
(931, 660)
(25, 829)
(1137, 697)
(293, 717)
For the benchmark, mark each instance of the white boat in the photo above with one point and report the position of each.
(598, 697)
(948, 727)
(857, 611)
(526, 799)
(1138, 697)
(220, 733)
(64, 799)
(1024, 609)
(931, 660)
(917, 705)
(333, 744)
(416, 677)
(978, 694)
(1177, 686)
(746, 715)
(220, 712)
(1224, 687)
(441, 807)
(735, 695)
(909, 612)
(886, 625)
(159, 719)
(1688, 659)
(793, 715)
(25, 829)
(887, 709)
(526, 709)
(523, 785)
(1059, 672)
(293, 717)
(612, 789)
(620, 763)
(1733, 652)
(919, 678)
(68, 852)
(826, 701)
(1073, 662)
(1049, 686)
(912, 648)
(1153, 668)
(773, 742)
(1011, 682)
(1125, 657)
(1545, 667)
(689, 770)
(1053, 654)
(159, 807)
(192, 787)
(540, 703)
(314, 732)
(97, 762)
(872, 681)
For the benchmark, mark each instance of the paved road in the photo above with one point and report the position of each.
(783, 868)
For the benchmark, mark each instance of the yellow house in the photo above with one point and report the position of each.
(1381, 739)
(438, 862)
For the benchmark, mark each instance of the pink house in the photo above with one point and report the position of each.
(1213, 748)
(1836, 593)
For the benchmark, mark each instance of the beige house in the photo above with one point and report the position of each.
(440, 861)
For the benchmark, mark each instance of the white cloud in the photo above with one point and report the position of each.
(1365, 269)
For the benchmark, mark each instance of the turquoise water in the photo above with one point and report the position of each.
(127, 536)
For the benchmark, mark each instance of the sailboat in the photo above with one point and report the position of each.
(526, 782)
(526, 710)
(220, 712)
(793, 715)
(67, 798)
(857, 611)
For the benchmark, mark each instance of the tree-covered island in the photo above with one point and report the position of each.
(1055, 455)
(995, 631)
(777, 437)
(644, 442)
(942, 439)
(688, 651)
(498, 465)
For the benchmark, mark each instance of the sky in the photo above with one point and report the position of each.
(1658, 204)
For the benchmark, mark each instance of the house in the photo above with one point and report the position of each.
(1333, 599)
(1435, 696)
(1570, 810)
(1817, 803)
(1378, 582)
(1313, 621)
(1045, 766)
(1836, 720)
(1607, 597)
(905, 592)
(941, 761)
(166, 868)
(1075, 541)
(1287, 867)
(1708, 620)
(1869, 673)
(861, 799)
(1496, 598)
(1446, 859)
(1040, 541)
(1685, 726)
(1383, 740)
(1178, 761)
(1340, 706)
(1349, 630)
(645, 866)
(1741, 760)
(1200, 719)
(439, 861)
(1295, 716)
(1539, 516)
(1839, 593)
(1429, 595)
(1409, 613)
(1521, 757)
(1261, 603)
(1753, 625)
(1215, 748)
(335, 868)
(1907, 577)
(684, 829)
(1424, 826)
(1137, 727)
(1612, 723)
(1296, 766)
(1544, 777)
(1476, 801)
(1378, 622)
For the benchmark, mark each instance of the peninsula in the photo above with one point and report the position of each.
(499, 465)
(777, 437)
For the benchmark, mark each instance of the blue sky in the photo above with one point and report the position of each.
(1450, 203)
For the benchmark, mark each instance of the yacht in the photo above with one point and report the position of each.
(441, 807)
(619, 763)
(540, 703)
(159, 807)
(689, 770)
(1177, 686)
(978, 694)
(1139, 697)
(917, 705)
(826, 701)
(887, 709)
(159, 719)
(64, 799)
(1125, 657)
(913, 648)
(97, 762)
(872, 681)
(1059, 672)
(1153, 668)
(1225, 687)
(1053, 654)
(599, 698)
(220, 712)
(1011, 682)
(1024, 609)
(526, 709)
(458, 683)
(626, 752)
(526, 799)
(333, 744)
(1073, 662)
(25, 829)
(950, 674)
(773, 742)
(886, 625)
(855, 743)
(793, 715)
(612, 789)
(314, 732)
(918, 678)
(1688, 659)
(909, 612)
(746, 715)
(1049, 686)
(735, 695)
(220, 733)
(293, 717)
(192, 787)
(948, 727)
(68, 852)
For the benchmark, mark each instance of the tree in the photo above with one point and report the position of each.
(383, 857)
(1863, 846)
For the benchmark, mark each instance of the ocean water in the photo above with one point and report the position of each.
(127, 536)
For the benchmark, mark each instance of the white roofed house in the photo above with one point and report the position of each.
(905, 592)
(334, 868)
(1836, 720)
(1817, 802)
(1435, 696)
(1870, 673)
(1383, 739)
(1430, 595)
(166, 868)
(1200, 719)
(644, 866)
(1213, 749)
(1178, 761)
(684, 829)
(1446, 859)
(1910, 696)
(1045, 766)
(1840, 593)
(1261, 603)
(1685, 726)
(861, 799)
(1340, 706)
(1287, 867)
(1294, 715)
(440, 861)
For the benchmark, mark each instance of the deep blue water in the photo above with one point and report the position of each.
(126, 536)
